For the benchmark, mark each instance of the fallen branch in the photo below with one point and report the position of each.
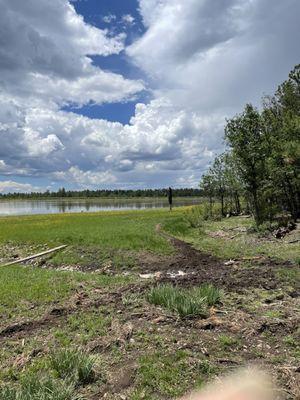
(43, 253)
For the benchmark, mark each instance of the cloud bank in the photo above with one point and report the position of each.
(202, 61)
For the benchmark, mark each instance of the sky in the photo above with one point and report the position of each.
(131, 93)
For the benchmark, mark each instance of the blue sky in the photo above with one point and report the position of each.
(94, 13)
(131, 93)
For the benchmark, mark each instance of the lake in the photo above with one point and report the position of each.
(52, 206)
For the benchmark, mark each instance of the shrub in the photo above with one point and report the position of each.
(186, 303)
(74, 365)
(212, 212)
(197, 215)
(194, 217)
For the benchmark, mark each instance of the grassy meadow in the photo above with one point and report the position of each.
(127, 230)
(83, 324)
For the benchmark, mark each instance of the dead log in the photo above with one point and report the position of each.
(43, 253)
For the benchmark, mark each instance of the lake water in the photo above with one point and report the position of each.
(30, 207)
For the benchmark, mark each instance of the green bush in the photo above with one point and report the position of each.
(73, 364)
(186, 303)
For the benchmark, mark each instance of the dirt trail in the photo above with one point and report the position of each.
(200, 267)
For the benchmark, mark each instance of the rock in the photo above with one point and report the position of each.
(230, 262)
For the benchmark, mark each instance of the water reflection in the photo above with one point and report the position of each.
(29, 207)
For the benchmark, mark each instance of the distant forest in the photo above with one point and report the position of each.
(185, 192)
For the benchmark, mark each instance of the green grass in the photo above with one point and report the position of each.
(186, 303)
(19, 284)
(26, 291)
(126, 230)
(273, 314)
(211, 294)
(82, 327)
(228, 342)
(74, 365)
(177, 301)
(290, 341)
(37, 388)
(166, 375)
(289, 275)
(55, 378)
(93, 239)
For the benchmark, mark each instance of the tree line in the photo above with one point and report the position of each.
(118, 193)
(261, 166)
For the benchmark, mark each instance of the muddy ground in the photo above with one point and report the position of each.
(257, 322)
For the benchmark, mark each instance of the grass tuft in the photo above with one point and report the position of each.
(210, 293)
(74, 365)
(228, 342)
(37, 388)
(186, 303)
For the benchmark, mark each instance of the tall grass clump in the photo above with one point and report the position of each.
(186, 303)
(194, 217)
(74, 365)
(197, 215)
(37, 388)
(210, 293)
(190, 306)
(163, 295)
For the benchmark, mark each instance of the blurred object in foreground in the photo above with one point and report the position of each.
(248, 384)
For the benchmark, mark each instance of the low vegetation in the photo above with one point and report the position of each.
(38, 388)
(74, 365)
(169, 375)
(124, 230)
(109, 331)
(56, 380)
(230, 238)
(186, 303)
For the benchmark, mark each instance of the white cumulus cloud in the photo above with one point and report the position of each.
(202, 60)
(12, 186)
